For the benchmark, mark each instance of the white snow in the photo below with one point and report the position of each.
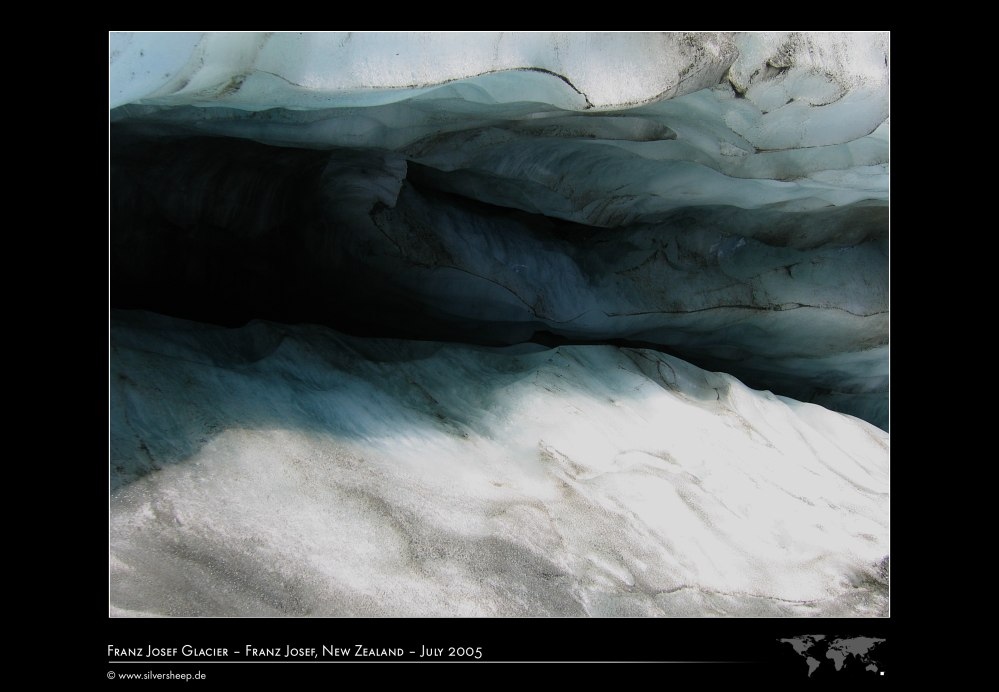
(291, 470)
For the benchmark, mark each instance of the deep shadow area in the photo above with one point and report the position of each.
(209, 229)
(225, 231)
(176, 385)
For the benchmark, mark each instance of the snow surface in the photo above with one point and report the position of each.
(255, 70)
(278, 470)
(602, 129)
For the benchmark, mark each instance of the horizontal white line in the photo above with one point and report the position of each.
(388, 660)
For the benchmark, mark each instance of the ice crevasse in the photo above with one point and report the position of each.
(499, 323)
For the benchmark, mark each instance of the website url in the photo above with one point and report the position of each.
(150, 675)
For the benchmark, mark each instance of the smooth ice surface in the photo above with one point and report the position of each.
(276, 470)
(602, 129)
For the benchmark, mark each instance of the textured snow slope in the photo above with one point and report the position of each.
(275, 470)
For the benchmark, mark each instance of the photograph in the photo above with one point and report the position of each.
(465, 346)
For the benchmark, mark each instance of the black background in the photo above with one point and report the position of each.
(750, 643)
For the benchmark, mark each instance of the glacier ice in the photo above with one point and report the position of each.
(457, 300)
(674, 120)
(279, 470)
(795, 301)
(764, 150)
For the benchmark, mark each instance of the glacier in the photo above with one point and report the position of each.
(280, 470)
(499, 323)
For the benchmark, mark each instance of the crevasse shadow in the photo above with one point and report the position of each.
(176, 384)
(371, 243)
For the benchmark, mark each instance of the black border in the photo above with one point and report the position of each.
(702, 649)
